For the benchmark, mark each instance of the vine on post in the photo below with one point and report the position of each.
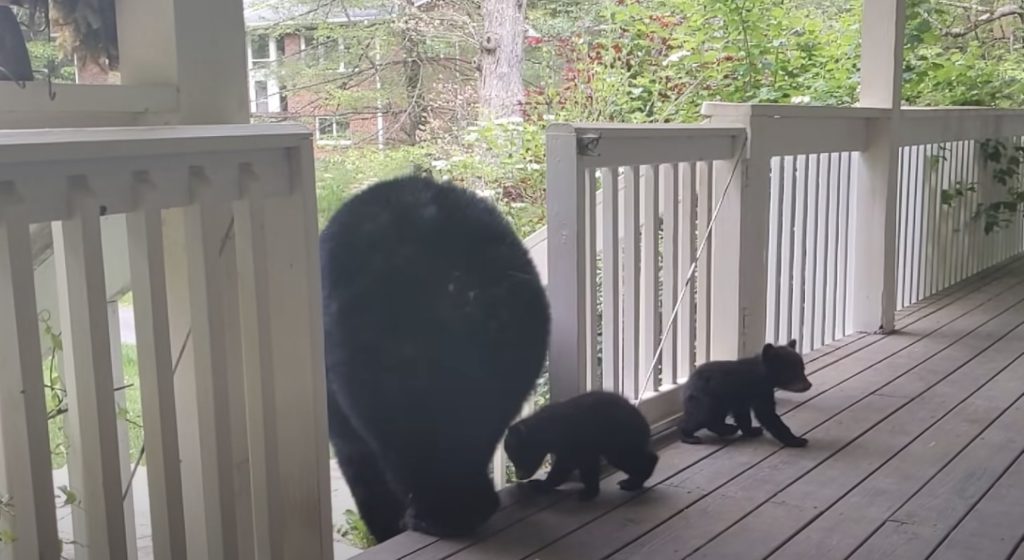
(1003, 160)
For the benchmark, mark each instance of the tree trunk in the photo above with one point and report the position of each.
(412, 68)
(501, 59)
(15, 64)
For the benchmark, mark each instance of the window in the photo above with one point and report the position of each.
(279, 44)
(323, 51)
(261, 96)
(260, 48)
(332, 130)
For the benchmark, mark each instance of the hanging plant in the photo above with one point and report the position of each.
(85, 28)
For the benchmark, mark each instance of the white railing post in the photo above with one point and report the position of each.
(739, 237)
(26, 479)
(124, 443)
(872, 299)
(156, 377)
(566, 267)
(92, 427)
(298, 401)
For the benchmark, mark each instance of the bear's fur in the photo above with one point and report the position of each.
(436, 330)
(578, 432)
(735, 387)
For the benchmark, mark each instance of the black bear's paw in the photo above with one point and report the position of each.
(691, 439)
(588, 494)
(795, 442)
(630, 484)
(539, 486)
(433, 528)
(753, 432)
(726, 430)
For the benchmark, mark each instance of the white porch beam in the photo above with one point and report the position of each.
(873, 280)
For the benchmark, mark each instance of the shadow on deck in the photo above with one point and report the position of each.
(915, 452)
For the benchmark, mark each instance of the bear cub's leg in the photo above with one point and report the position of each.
(561, 470)
(771, 421)
(638, 464)
(590, 476)
(741, 414)
(703, 413)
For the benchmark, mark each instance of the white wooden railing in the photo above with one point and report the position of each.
(235, 432)
(664, 176)
(837, 218)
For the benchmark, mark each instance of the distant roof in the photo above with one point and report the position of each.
(263, 13)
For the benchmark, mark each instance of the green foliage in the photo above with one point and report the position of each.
(1004, 162)
(657, 61)
(942, 70)
(56, 395)
(47, 56)
(6, 513)
(341, 174)
(501, 161)
(354, 531)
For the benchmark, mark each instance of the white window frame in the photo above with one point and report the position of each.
(304, 45)
(257, 74)
(335, 141)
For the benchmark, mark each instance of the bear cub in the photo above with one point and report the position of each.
(436, 329)
(578, 432)
(735, 387)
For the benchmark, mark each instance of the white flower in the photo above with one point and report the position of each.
(802, 100)
(675, 57)
(439, 164)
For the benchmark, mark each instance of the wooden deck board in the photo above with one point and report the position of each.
(915, 449)
(994, 525)
(761, 532)
(918, 527)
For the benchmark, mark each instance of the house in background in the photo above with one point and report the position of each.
(279, 32)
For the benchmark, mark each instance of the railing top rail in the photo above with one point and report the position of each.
(26, 146)
(715, 108)
(720, 109)
(625, 131)
(610, 145)
(932, 112)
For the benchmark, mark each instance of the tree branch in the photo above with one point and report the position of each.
(1011, 10)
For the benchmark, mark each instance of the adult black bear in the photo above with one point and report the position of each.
(436, 327)
(717, 389)
(578, 432)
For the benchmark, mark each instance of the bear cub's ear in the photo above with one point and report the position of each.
(767, 350)
(792, 344)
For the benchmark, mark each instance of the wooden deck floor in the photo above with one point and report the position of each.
(915, 452)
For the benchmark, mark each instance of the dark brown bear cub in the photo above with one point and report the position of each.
(578, 432)
(735, 387)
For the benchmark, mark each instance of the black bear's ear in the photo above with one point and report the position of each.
(767, 350)
(792, 344)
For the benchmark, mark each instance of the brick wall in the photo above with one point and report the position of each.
(305, 105)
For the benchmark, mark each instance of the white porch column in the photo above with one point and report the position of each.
(873, 268)
(567, 361)
(739, 261)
